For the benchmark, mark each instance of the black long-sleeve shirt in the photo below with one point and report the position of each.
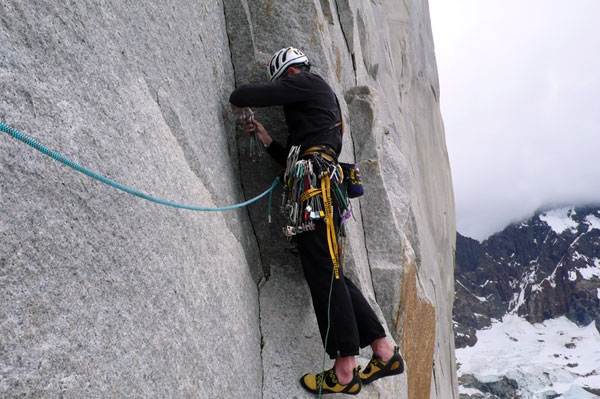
(309, 105)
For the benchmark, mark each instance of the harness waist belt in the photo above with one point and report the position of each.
(327, 152)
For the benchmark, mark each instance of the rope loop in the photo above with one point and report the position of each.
(14, 133)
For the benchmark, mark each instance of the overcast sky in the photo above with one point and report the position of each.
(520, 98)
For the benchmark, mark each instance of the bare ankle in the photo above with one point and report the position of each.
(383, 349)
(344, 369)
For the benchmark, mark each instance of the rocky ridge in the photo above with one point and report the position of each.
(545, 267)
(540, 269)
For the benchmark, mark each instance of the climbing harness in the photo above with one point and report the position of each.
(56, 156)
(312, 183)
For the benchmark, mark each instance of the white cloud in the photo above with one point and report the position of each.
(520, 97)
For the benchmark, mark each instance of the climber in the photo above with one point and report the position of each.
(313, 119)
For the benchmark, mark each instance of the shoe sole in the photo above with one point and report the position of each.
(385, 373)
(326, 391)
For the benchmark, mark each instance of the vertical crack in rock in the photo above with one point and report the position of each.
(259, 286)
(226, 18)
(240, 37)
(346, 25)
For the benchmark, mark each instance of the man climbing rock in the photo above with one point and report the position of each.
(313, 116)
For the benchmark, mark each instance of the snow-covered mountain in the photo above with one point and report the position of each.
(527, 308)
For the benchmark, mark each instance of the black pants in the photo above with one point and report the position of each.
(352, 323)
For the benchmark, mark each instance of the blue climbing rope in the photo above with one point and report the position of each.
(53, 154)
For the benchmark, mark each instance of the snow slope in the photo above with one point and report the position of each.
(554, 359)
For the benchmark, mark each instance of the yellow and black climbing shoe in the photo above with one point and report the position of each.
(377, 368)
(312, 383)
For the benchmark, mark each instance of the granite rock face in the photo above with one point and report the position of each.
(107, 295)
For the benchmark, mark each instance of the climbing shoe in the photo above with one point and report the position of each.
(377, 368)
(312, 383)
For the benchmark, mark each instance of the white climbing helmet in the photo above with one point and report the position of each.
(284, 58)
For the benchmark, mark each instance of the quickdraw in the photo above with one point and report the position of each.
(244, 116)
